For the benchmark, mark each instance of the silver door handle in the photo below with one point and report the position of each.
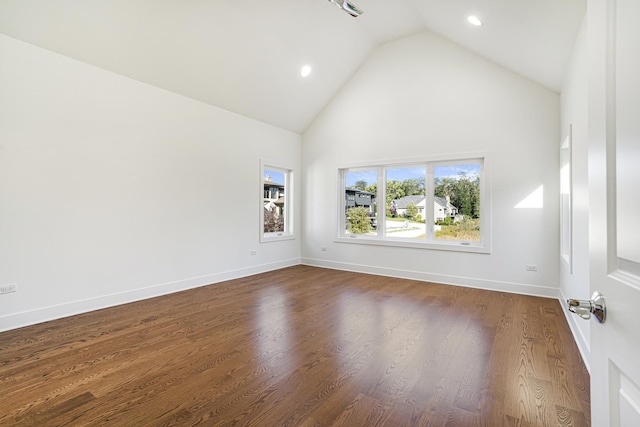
(585, 308)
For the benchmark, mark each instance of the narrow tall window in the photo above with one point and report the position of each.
(276, 201)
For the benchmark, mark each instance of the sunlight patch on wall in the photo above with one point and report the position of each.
(533, 200)
(565, 179)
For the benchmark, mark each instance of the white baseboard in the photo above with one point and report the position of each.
(45, 314)
(492, 285)
(581, 341)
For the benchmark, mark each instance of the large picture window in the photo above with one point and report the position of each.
(442, 204)
(276, 202)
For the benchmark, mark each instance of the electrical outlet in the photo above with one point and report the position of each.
(254, 252)
(531, 267)
(323, 248)
(9, 288)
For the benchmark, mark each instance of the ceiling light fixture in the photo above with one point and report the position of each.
(348, 7)
(474, 20)
(305, 70)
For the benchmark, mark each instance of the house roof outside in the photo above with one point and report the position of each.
(357, 190)
(443, 202)
(403, 202)
(272, 184)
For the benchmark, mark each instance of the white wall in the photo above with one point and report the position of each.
(574, 101)
(422, 96)
(112, 190)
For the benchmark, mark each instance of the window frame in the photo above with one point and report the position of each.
(288, 233)
(429, 242)
(566, 201)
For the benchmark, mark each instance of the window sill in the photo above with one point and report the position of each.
(430, 245)
(276, 237)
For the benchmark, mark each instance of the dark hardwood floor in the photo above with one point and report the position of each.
(301, 346)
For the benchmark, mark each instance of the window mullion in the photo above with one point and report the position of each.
(429, 204)
(342, 205)
(382, 203)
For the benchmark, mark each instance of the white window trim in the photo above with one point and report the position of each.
(483, 247)
(566, 212)
(288, 233)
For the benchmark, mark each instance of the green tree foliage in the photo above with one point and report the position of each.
(373, 188)
(445, 187)
(358, 220)
(464, 193)
(412, 210)
(361, 185)
(395, 191)
(413, 187)
(475, 199)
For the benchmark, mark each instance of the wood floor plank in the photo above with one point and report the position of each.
(363, 410)
(301, 346)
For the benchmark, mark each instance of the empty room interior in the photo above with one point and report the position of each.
(303, 213)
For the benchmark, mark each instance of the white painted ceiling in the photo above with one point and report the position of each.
(245, 55)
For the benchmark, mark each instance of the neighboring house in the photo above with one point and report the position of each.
(273, 196)
(402, 204)
(442, 207)
(355, 197)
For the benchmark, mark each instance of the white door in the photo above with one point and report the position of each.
(614, 208)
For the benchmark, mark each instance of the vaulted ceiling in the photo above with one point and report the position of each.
(245, 55)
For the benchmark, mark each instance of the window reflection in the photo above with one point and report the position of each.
(273, 329)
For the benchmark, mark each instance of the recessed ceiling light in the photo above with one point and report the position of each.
(305, 70)
(474, 20)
